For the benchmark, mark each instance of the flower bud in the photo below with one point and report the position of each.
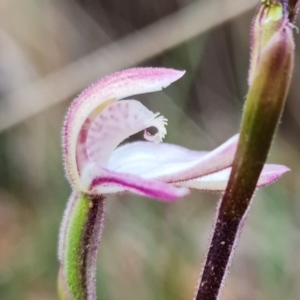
(270, 78)
(269, 18)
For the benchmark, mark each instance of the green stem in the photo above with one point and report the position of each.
(80, 247)
(262, 112)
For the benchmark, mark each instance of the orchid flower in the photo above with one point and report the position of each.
(96, 123)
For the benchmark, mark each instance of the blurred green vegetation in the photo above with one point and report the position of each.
(150, 250)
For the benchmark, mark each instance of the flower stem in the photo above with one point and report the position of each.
(226, 233)
(80, 248)
(263, 108)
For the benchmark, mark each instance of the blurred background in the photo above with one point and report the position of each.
(49, 51)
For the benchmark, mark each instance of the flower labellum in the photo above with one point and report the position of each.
(96, 123)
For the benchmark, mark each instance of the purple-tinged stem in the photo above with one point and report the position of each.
(91, 240)
(225, 237)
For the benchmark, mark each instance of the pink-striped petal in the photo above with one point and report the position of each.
(94, 98)
(115, 123)
(218, 181)
(98, 180)
(171, 163)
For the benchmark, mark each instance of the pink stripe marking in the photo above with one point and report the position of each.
(161, 194)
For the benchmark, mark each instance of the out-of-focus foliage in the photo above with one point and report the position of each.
(149, 250)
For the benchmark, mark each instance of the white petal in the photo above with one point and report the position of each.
(218, 181)
(171, 163)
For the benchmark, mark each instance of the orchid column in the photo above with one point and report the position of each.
(271, 65)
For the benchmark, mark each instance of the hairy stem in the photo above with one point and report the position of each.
(80, 245)
(225, 235)
(262, 112)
